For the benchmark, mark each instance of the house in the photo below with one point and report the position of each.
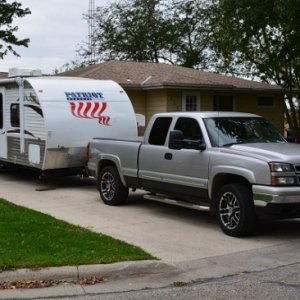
(159, 87)
(3, 75)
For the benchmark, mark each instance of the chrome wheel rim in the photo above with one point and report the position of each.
(229, 210)
(108, 187)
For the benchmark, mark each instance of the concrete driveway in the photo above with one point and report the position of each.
(173, 234)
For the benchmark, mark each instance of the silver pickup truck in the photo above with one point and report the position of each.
(235, 165)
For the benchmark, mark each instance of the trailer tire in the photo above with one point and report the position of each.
(111, 189)
(235, 210)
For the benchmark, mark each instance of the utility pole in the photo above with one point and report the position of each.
(91, 33)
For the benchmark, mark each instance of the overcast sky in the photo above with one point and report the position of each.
(55, 29)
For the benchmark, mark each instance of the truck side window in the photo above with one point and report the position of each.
(15, 115)
(1, 111)
(159, 131)
(190, 128)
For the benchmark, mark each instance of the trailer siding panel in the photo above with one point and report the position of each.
(15, 157)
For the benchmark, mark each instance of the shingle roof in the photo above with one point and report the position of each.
(147, 75)
(3, 75)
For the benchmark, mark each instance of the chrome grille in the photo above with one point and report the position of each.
(297, 168)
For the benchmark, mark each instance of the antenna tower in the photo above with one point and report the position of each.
(91, 33)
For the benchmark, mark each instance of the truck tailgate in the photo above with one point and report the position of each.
(124, 153)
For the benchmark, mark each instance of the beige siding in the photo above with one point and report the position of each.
(168, 100)
(275, 114)
(156, 102)
(174, 100)
(138, 100)
(206, 100)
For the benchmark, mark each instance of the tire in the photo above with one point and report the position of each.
(235, 210)
(111, 189)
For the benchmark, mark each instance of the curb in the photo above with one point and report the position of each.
(72, 273)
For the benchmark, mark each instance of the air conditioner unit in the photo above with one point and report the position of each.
(16, 72)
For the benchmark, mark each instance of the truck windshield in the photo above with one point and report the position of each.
(225, 131)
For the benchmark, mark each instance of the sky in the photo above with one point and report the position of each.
(55, 29)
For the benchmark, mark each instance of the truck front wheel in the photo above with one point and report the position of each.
(235, 210)
(111, 188)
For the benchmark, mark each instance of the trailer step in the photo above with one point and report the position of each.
(164, 199)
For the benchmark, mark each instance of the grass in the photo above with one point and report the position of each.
(30, 239)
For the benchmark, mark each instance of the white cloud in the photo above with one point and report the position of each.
(55, 29)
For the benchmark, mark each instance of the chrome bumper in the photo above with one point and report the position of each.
(263, 195)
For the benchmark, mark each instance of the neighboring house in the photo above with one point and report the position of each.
(158, 87)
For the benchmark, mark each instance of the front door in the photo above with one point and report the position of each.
(182, 173)
(3, 137)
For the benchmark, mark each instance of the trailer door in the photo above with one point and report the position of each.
(3, 138)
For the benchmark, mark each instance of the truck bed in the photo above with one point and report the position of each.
(125, 152)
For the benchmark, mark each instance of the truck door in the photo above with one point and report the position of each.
(3, 138)
(179, 173)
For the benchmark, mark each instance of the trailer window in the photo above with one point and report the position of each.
(1, 111)
(15, 115)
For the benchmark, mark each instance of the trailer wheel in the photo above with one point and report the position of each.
(111, 188)
(235, 210)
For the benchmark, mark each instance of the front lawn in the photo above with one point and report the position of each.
(30, 239)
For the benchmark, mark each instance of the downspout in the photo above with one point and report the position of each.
(20, 82)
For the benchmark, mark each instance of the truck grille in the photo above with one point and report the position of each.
(297, 168)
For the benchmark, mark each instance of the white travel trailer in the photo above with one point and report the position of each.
(46, 122)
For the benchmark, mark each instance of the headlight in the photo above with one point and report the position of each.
(282, 174)
(281, 167)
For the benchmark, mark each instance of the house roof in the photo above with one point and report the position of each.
(147, 75)
(3, 75)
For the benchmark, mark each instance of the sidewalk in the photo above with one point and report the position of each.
(139, 275)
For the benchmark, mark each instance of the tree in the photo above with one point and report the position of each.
(190, 20)
(131, 29)
(9, 11)
(260, 38)
(174, 31)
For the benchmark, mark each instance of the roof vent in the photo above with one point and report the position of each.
(15, 72)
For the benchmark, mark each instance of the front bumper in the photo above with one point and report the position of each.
(265, 195)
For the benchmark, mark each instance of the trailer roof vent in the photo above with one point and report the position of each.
(15, 72)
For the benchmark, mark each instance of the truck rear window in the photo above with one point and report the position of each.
(159, 131)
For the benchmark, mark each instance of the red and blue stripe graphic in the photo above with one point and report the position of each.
(90, 110)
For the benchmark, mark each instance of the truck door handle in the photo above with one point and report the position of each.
(168, 156)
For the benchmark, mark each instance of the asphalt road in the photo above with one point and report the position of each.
(274, 284)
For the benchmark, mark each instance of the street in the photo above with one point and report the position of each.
(279, 283)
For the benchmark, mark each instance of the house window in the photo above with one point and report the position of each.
(266, 101)
(15, 115)
(223, 103)
(191, 102)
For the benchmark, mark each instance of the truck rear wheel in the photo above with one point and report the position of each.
(111, 188)
(235, 210)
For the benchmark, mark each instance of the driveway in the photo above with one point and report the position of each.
(173, 234)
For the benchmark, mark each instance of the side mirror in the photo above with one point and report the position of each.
(176, 140)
